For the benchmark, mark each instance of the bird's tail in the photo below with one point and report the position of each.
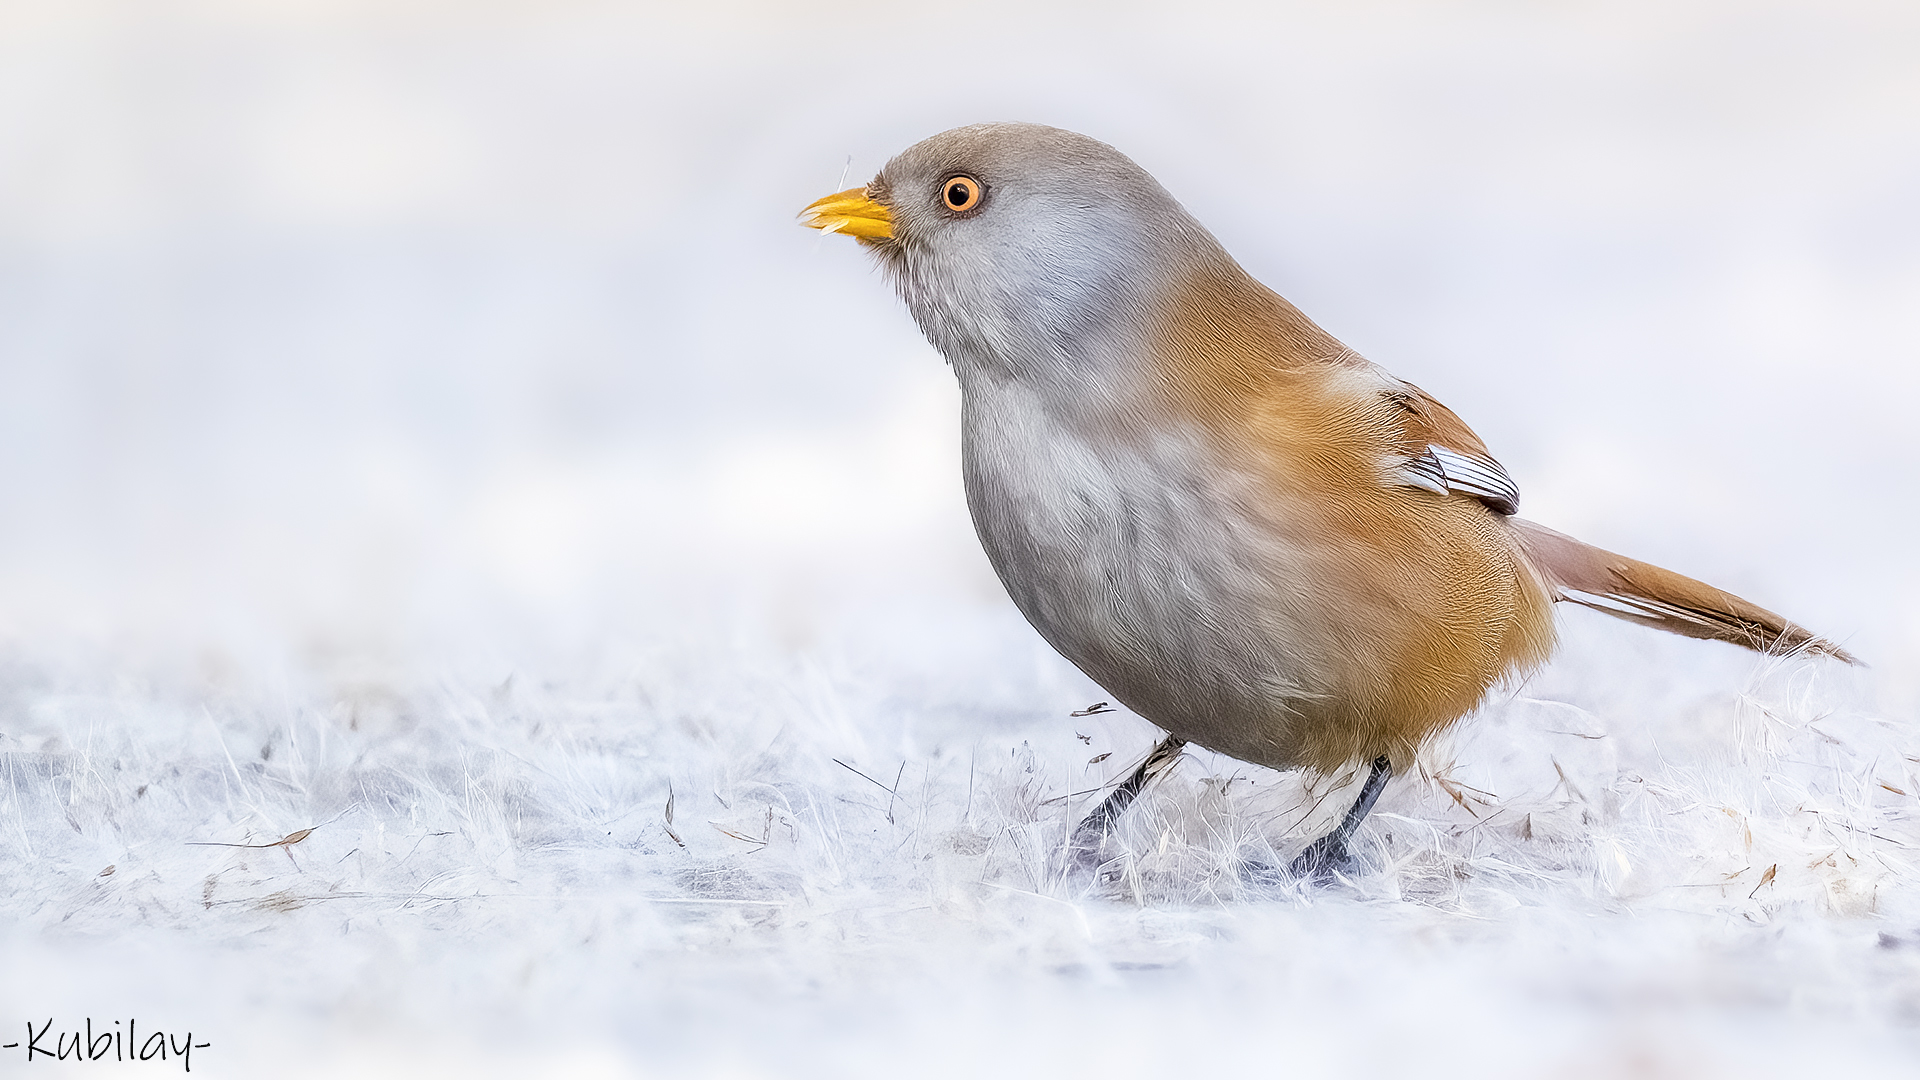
(1643, 593)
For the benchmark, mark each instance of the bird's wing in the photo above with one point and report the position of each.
(1443, 455)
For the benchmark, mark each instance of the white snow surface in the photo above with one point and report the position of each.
(720, 856)
(483, 593)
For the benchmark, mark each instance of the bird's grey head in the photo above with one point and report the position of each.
(1022, 250)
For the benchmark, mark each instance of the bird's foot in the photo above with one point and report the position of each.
(1090, 836)
(1087, 857)
(1083, 853)
(1317, 865)
(1322, 859)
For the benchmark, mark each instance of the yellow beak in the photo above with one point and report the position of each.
(850, 212)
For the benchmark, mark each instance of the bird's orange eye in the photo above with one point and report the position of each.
(961, 193)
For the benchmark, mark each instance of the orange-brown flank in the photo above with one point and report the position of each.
(1410, 605)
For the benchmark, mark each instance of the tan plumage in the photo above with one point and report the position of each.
(1414, 604)
(1651, 596)
(1249, 534)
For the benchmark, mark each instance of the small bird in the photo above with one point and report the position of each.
(1252, 536)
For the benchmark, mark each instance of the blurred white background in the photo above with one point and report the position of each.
(382, 325)
(481, 338)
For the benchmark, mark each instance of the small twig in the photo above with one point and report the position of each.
(286, 841)
(669, 817)
(742, 837)
(862, 775)
(1073, 795)
(891, 791)
(971, 760)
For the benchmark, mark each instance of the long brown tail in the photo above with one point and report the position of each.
(1643, 593)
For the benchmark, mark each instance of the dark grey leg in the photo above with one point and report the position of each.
(1084, 847)
(1329, 853)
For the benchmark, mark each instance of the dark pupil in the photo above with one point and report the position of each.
(958, 193)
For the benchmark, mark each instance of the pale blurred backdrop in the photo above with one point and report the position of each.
(408, 325)
(424, 425)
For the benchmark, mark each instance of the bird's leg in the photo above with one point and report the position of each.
(1330, 851)
(1085, 844)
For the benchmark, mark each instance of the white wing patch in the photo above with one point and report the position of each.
(1450, 472)
(1425, 472)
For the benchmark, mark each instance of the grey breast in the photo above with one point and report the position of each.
(1129, 555)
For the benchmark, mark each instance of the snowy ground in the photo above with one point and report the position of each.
(721, 856)
(483, 593)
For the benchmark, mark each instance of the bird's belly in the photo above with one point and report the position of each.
(1142, 564)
